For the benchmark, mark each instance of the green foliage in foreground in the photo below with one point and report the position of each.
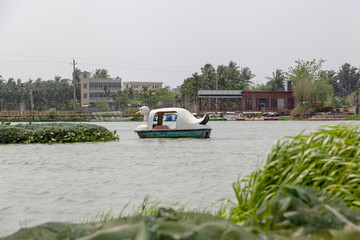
(302, 212)
(166, 224)
(328, 159)
(54, 133)
(295, 213)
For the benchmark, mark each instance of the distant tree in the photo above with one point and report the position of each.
(261, 87)
(101, 105)
(332, 79)
(309, 87)
(121, 99)
(245, 77)
(225, 77)
(100, 73)
(208, 77)
(78, 83)
(189, 91)
(131, 93)
(222, 73)
(276, 82)
(349, 78)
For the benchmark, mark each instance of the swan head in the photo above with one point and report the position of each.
(144, 110)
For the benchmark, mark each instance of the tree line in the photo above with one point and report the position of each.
(57, 94)
(37, 94)
(313, 87)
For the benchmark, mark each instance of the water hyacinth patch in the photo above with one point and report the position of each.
(327, 159)
(54, 133)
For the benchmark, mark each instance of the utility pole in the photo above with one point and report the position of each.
(356, 102)
(74, 63)
(31, 98)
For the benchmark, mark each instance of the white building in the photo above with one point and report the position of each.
(139, 86)
(93, 89)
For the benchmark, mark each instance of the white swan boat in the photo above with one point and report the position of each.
(186, 125)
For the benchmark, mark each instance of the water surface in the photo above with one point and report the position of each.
(73, 182)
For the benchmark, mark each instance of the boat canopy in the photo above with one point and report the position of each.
(185, 119)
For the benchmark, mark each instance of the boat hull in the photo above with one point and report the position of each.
(195, 133)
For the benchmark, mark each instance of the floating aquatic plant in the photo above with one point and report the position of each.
(54, 133)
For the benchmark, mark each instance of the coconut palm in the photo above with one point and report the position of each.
(189, 90)
(276, 82)
(348, 78)
(100, 73)
(208, 78)
(245, 77)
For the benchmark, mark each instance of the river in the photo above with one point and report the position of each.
(74, 182)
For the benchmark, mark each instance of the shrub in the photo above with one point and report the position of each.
(52, 113)
(302, 112)
(327, 159)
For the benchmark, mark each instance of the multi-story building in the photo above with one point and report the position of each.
(98, 89)
(139, 86)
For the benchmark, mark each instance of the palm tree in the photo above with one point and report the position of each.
(245, 77)
(189, 90)
(222, 76)
(121, 99)
(276, 82)
(233, 73)
(348, 78)
(208, 78)
(100, 73)
(130, 92)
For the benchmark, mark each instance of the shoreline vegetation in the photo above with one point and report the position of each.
(54, 133)
(308, 188)
(314, 89)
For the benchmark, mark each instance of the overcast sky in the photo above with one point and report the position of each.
(167, 40)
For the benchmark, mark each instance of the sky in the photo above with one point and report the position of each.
(168, 40)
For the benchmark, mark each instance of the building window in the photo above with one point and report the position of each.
(84, 75)
(85, 85)
(85, 95)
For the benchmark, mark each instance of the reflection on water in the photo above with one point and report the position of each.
(73, 182)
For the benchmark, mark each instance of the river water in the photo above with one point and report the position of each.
(74, 182)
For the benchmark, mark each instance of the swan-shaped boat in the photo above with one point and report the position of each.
(186, 125)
